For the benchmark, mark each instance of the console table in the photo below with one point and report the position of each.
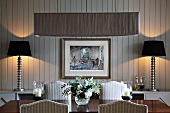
(150, 95)
(7, 95)
(137, 95)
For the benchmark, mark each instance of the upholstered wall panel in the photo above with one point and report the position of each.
(86, 24)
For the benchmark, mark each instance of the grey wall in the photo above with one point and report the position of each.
(17, 23)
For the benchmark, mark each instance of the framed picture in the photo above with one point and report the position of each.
(86, 57)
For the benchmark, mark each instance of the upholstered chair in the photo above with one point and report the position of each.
(112, 90)
(44, 106)
(122, 107)
(54, 91)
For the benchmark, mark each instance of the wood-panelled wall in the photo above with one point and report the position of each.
(17, 23)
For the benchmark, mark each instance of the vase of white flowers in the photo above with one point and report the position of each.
(82, 89)
(81, 101)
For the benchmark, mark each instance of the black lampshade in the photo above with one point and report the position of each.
(19, 48)
(153, 48)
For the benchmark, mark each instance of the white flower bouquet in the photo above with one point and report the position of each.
(82, 88)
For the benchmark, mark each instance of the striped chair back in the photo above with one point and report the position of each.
(112, 90)
(54, 91)
(122, 107)
(44, 106)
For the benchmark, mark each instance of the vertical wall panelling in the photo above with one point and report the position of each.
(131, 40)
(100, 6)
(47, 47)
(25, 38)
(94, 5)
(59, 5)
(36, 54)
(114, 58)
(42, 53)
(163, 38)
(147, 61)
(47, 59)
(42, 58)
(141, 40)
(63, 5)
(21, 31)
(157, 19)
(136, 52)
(120, 8)
(73, 5)
(120, 58)
(52, 5)
(126, 48)
(125, 57)
(83, 5)
(109, 5)
(47, 6)
(167, 45)
(68, 6)
(114, 50)
(42, 6)
(4, 44)
(9, 38)
(15, 34)
(152, 18)
(58, 57)
(120, 5)
(89, 5)
(114, 5)
(17, 23)
(79, 5)
(31, 41)
(36, 58)
(52, 59)
(56, 46)
(20, 19)
(157, 35)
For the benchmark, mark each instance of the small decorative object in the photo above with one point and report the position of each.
(127, 95)
(139, 83)
(82, 89)
(38, 90)
(136, 87)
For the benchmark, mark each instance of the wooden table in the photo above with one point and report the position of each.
(154, 106)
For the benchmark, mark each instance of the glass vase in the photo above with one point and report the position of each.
(82, 101)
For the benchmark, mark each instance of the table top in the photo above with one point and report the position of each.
(154, 106)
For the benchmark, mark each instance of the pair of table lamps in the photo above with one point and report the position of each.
(150, 48)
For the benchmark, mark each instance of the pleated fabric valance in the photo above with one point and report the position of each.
(86, 24)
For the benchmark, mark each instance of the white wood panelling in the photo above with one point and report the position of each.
(17, 23)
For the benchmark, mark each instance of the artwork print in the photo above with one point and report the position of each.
(86, 57)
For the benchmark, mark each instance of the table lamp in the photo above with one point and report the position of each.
(153, 48)
(19, 48)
